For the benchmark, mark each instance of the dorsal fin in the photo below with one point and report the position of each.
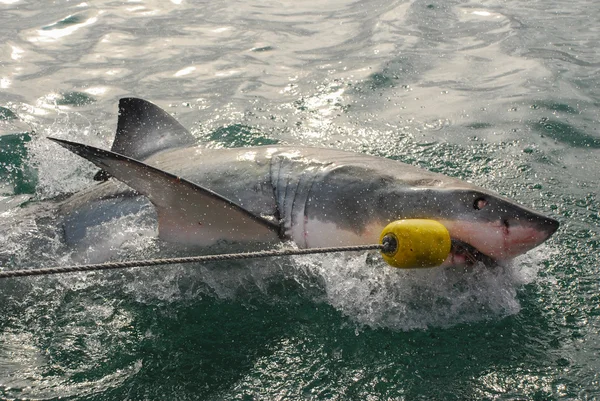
(187, 213)
(144, 129)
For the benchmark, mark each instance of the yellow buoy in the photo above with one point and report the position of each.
(419, 243)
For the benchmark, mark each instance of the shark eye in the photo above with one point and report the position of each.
(479, 203)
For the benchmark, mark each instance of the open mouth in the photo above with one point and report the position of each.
(463, 253)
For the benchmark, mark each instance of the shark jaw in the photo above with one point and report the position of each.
(492, 242)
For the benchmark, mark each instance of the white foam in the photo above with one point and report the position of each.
(124, 236)
(361, 287)
(373, 294)
(58, 170)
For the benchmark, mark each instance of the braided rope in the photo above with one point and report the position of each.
(192, 259)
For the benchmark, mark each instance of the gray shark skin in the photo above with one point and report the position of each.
(314, 197)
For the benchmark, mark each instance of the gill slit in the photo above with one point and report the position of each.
(277, 213)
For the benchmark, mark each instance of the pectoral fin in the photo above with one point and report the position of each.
(187, 213)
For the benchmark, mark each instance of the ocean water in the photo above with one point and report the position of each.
(502, 94)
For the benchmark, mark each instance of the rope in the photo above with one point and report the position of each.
(385, 247)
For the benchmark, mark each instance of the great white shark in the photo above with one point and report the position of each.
(314, 197)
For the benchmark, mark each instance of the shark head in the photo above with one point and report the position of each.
(482, 225)
(353, 202)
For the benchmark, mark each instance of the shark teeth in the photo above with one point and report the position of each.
(471, 255)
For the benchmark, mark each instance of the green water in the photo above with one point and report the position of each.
(503, 95)
(15, 175)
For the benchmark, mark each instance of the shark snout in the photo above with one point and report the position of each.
(503, 238)
(549, 226)
(519, 236)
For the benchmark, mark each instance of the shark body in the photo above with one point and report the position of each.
(312, 196)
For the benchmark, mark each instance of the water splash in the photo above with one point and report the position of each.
(59, 172)
(373, 294)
